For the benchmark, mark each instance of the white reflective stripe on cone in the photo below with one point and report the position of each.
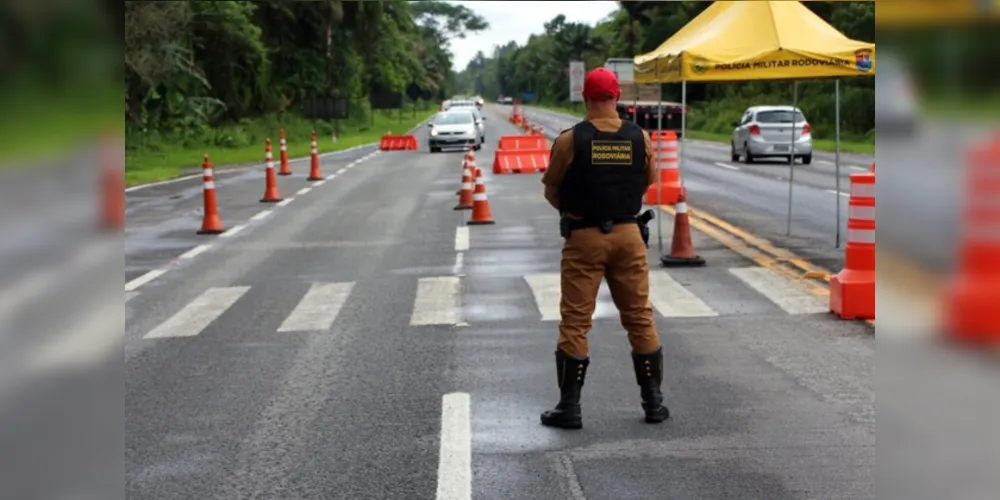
(206, 172)
(861, 236)
(859, 190)
(988, 234)
(466, 186)
(209, 185)
(861, 213)
(681, 208)
(479, 197)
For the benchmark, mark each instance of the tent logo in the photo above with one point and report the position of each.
(699, 65)
(863, 60)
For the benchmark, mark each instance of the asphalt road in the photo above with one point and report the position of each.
(362, 342)
(919, 198)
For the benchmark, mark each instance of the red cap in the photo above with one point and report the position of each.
(601, 84)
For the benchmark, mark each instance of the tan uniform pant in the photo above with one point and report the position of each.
(619, 257)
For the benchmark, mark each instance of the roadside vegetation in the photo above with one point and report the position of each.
(539, 67)
(220, 77)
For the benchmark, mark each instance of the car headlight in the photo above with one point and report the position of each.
(434, 133)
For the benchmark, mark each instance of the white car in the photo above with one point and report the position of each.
(896, 102)
(457, 128)
(766, 132)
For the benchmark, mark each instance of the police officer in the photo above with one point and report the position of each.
(598, 173)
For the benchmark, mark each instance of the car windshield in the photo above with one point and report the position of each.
(453, 119)
(460, 104)
(779, 116)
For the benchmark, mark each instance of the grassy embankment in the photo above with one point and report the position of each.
(714, 123)
(153, 158)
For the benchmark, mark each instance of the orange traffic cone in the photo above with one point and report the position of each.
(481, 215)
(468, 162)
(465, 195)
(852, 290)
(285, 168)
(211, 224)
(271, 183)
(314, 173)
(112, 189)
(681, 249)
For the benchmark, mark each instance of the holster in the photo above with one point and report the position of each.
(643, 222)
(567, 225)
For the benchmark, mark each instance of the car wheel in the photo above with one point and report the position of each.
(478, 147)
(435, 150)
(807, 159)
(748, 156)
(733, 156)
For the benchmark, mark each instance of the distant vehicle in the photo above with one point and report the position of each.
(645, 114)
(896, 106)
(506, 101)
(766, 132)
(455, 129)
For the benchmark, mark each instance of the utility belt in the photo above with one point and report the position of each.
(567, 224)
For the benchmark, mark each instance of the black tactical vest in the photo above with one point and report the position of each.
(607, 178)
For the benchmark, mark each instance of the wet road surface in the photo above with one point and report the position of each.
(362, 342)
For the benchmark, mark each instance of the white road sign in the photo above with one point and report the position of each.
(576, 74)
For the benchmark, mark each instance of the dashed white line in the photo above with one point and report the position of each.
(726, 165)
(285, 202)
(859, 169)
(824, 162)
(341, 171)
(459, 265)
(196, 251)
(331, 177)
(461, 239)
(261, 215)
(845, 195)
(131, 286)
(303, 191)
(232, 232)
(319, 183)
(437, 301)
(455, 458)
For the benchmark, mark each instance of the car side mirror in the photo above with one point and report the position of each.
(430, 125)
(484, 118)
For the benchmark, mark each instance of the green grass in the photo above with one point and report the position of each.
(156, 159)
(984, 108)
(829, 145)
(37, 125)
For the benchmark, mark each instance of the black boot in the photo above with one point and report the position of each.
(649, 375)
(570, 373)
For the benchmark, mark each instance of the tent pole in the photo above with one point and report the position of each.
(659, 166)
(684, 135)
(791, 156)
(836, 152)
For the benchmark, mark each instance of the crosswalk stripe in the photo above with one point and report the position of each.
(198, 314)
(318, 308)
(672, 300)
(437, 301)
(546, 289)
(790, 296)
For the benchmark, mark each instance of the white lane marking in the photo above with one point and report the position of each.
(824, 162)
(199, 313)
(341, 171)
(331, 177)
(303, 191)
(232, 232)
(318, 308)
(319, 183)
(130, 295)
(845, 195)
(459, 264)
(261, 215)
(196, 251)
(437, 301)
(131, 286)
(672, 300)
(286, 201)
(461, 239)
(792, 297)
(455, 456)
(726, 165)
(859, 169)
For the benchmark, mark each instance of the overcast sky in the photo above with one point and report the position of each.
(517, 21)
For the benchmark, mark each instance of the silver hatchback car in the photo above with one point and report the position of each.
(766, 132)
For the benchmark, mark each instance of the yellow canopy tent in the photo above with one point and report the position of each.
(758, 40)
